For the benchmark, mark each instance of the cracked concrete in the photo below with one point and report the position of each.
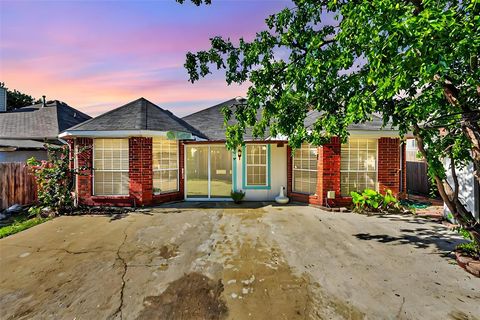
(292, 262)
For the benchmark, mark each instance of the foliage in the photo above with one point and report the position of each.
(237, 196)
(371, 200)
(17, 99)
(54, 180)
(196, 2)
(471, 248)
(415, 63)
(20, 223)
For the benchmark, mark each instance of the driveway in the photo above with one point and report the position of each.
(187, 261)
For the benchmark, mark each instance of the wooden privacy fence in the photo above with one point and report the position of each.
(17, 185)
(417, 178)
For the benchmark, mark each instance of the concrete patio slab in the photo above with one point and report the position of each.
(217, 261)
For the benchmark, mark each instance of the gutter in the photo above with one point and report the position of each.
(118, 134)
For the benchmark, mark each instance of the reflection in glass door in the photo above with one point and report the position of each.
(197, 172)
(208, 172)
(220, 172)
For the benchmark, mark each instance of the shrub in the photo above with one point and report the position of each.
(373, 201)
(54, 180)
(237, 196)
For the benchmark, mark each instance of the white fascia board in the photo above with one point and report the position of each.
(115, 134)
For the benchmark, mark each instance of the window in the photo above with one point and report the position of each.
(165, 165)
(256, 165)
(110, 163)
(305, 169)
(358, 165)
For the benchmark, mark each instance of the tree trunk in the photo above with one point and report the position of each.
(450, 195)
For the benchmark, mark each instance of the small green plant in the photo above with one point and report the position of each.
(237, 196)
(470, 248)
(372, 201)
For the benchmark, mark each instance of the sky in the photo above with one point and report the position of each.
(99, 55)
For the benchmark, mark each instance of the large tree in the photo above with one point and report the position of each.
(17, 99)
(416, 62)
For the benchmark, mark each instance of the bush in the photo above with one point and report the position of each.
(372, 201)
(54, 180)
(237, 196)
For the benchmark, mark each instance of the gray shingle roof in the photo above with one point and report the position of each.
(39, 123)
(375, 124)
(140, 114)
(210, 122)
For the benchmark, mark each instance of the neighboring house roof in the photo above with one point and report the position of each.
(22, 143)
(210, 121)
(140, 114)
(38, 122)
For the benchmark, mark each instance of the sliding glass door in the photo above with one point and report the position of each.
(208, 172)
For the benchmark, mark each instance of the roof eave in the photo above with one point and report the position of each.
(124, 133)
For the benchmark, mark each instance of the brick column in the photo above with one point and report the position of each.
(140, 170)
(85, 155)
(389, 164)
(328, 174)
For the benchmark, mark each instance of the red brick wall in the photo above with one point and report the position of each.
(140, 170)
(389, 164)
(140, 174)
(85, 148)
(328, 174)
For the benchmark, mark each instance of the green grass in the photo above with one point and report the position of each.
(20, 223)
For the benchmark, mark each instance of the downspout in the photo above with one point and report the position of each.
(401, 167)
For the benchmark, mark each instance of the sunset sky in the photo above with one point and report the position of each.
(98, 55)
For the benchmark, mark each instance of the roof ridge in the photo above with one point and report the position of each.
(215, 106)
(106, 113)
(178, 119)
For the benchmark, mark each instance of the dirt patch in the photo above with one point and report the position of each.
(169, 251)
(194, 296)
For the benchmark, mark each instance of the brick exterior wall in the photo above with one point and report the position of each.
(84, 179)
(140, 175)
(140, 170)
(389, 164)
(328, 172)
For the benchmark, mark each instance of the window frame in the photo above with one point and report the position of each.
(94, 170)
(177, 169)
(267, 185)
(359, 171)
(305, 170)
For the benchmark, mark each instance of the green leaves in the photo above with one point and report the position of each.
(344, 61)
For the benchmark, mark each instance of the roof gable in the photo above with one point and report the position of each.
(140, 114)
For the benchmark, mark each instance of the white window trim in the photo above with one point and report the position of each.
(267, 172)
(348, 171)
(94, 170)
(305, 170)
(169, 169)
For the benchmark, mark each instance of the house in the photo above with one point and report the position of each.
(141, 154)
(469, 189)
(24, 131)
